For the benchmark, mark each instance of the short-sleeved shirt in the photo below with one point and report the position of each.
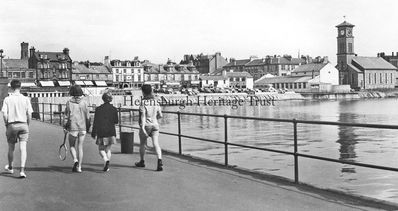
(77, 112)
(17, 108)
(151, 109)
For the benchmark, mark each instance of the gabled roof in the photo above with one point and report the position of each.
(255, 62)
(83, 69)
(52, 56)
(374, 63)
(238, 62)
(316, 67)
(239, 74)
(15, 63)
(212, 77)
(345, 23)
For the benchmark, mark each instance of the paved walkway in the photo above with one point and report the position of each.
(185, 184)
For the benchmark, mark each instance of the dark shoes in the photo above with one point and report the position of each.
(140, 164)
(106, 167)
(160, 165)
(75, 165)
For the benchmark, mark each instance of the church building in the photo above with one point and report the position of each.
(361, 72)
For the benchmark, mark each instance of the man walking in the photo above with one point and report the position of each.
(17, 111)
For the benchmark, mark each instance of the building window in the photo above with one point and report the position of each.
(124, 71)
(381, 80)
(304, 85)
(207, 81)
(391, 78)
(117, 70)
(375, 78)
(386, 78)
(295, 85)
(299, 85)
(370, 79)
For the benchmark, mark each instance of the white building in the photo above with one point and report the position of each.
(127, 74)
(314, 77)
(225, 79)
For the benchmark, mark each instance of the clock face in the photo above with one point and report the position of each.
(349, 32)
(341, 32)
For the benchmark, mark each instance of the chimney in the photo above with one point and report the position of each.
(106, 61)
(325, 59)
(24, 50)
(87, 63)
(66, 51)
(392, 54)
(32, 51)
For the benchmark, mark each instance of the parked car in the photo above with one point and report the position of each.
(207, 90)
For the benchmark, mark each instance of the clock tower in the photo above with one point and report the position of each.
(345, 49)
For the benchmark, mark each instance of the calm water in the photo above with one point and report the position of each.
(374, 146)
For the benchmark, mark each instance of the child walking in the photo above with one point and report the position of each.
(77, 119)
(104, 131)
(150, 112)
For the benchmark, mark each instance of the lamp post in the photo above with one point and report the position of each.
(1, 62)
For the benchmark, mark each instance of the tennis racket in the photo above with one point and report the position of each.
(63, 149)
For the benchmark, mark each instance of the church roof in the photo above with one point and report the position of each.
(316, 67)
(345, 23)
(373, 63)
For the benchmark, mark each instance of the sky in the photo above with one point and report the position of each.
(157, 30)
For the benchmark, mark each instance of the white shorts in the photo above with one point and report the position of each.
(77, 133)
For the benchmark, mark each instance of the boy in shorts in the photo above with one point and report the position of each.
(150, 112)
(17, 111)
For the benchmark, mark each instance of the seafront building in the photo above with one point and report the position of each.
(126, 73)
(227, 79)
(19, 68)
(361, 72)
(51, 66)
(91, 73)
(314, 77)
(392, 59)
(205, 63)
(270, 65)
(170, 74)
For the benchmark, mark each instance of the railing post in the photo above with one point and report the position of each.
(120, 119)
(179, 133)
(296, 167)
(226, 139)
(42, 108)
(51, 113)
(60, 113)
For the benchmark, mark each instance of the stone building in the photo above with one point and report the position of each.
(361, 72)
(126, 73)
(91, 74)
(205, 63)
(51, 66)
(272, 65)
(171, 74)
(19, 68)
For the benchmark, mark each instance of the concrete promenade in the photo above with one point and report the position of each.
(186, 184)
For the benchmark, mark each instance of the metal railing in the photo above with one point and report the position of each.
(226, 143)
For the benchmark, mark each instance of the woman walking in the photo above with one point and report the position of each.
(77, 122)
(104, 131)
(150, 112)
